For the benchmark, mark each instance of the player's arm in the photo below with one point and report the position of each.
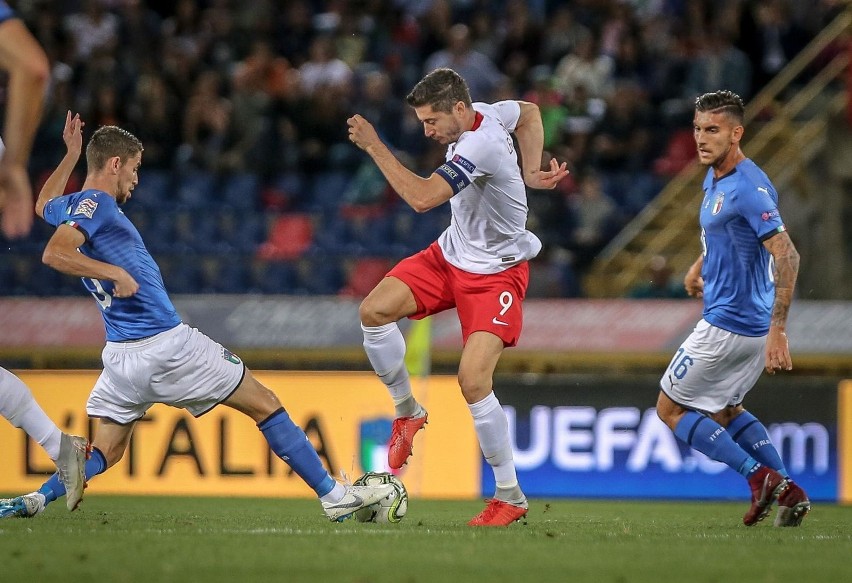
(28, 69)
(61, 253)
(786, 272)
(72, 135)
(529, 132)
(421, 194)
(693, 283)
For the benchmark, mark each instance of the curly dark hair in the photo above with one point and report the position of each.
(442, 89)
(722, 101)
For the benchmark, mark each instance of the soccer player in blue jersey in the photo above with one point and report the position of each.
(150, 355)
(27, 68)
(746, 275)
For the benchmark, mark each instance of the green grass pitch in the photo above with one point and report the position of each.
(158, 539)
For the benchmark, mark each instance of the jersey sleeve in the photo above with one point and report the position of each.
(758, 205)
(474, 156)
(509, 112)
(88, 213)
(6, 12)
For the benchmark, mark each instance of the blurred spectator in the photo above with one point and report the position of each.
(562, 35)
(585, 67)
(659, 284)
(205, 124)
(376, 102)
(520, 43)
(718, 64)
(770, 38)
(596, 216)
(93, 28)
(155, 118)
(323, 70)
(479, 71)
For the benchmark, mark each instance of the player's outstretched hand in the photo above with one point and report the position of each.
(361, 132)
(547, 179)
(16, 201)
(72, 134)
(777, 351)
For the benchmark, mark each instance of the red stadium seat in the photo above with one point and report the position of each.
(289, 238)
(364, 275)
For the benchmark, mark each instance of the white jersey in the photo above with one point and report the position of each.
(487, 233)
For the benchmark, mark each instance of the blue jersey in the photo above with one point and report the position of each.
(5, 12)
(112, 238)
(739, 212)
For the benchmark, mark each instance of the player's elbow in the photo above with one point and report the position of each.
(52, 256)
(420, 206)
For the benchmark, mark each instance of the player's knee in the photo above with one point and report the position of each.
(372, 313)
(474, 388)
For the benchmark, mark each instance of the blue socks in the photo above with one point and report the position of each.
(751, 435)
(290, 443)
(53, 488)
(702, 433)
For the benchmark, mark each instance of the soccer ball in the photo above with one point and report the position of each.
(388, 510)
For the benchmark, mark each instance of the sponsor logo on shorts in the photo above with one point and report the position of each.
(464, 163)
(86, 207)
(499, 322)
(230, 356)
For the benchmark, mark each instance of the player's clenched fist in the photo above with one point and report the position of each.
(361, 132)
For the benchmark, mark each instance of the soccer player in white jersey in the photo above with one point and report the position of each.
(478, 265)
(150, 355)
(27, 68)
(746, 275)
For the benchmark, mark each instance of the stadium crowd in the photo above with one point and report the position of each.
(250, 185)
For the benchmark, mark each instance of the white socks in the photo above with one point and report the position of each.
(492, 430)
(18, 405)
(385, 347)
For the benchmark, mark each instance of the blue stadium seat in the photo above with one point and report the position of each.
(154, 189)
(196, 189)
(241, 191)
(326, 190)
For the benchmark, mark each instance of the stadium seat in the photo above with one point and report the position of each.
(196, 189)
(680, 151)
(241, 190)
(154, 189)
(291, 235)
(363, 275)
(327, 190)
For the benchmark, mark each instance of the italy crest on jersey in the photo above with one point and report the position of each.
(720, 200)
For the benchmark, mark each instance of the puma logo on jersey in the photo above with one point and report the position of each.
(763, 190)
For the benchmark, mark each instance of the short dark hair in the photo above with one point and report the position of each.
(722, 101)
(108, 142)
(442, 89)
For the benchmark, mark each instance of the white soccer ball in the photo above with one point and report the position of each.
(388, 510)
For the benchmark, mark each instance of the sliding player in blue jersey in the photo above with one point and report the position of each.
(27, 69)
(150, 355)
(746, 275)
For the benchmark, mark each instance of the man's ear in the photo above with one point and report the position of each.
(738, 134)
(115, 164)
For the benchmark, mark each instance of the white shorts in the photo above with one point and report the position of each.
(180, 367)
(713, 369)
